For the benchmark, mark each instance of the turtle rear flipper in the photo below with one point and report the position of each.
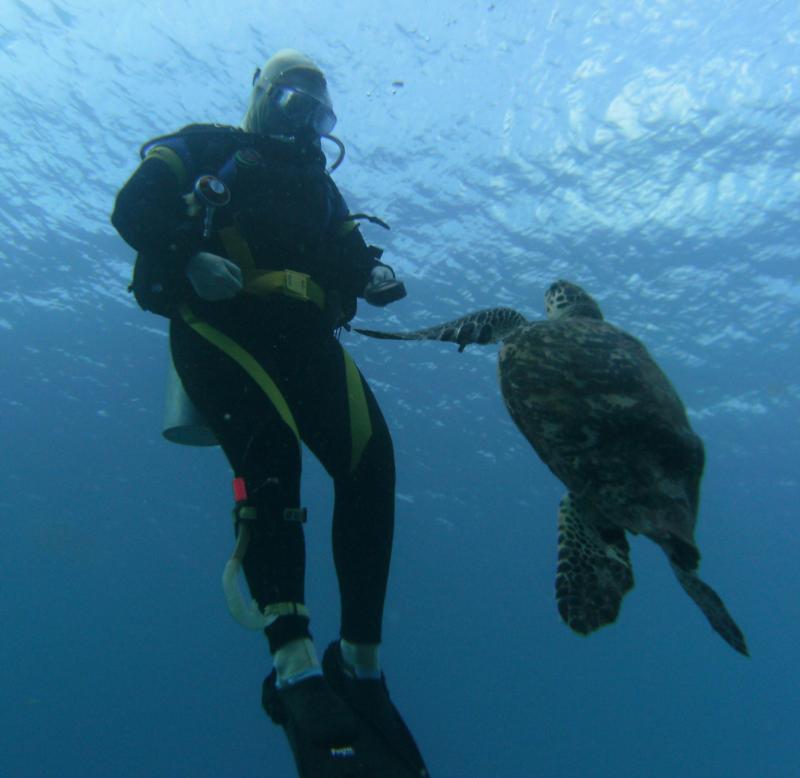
(712, 606)
(594, 570)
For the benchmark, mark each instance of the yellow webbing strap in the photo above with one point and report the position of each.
(237, 249)
(245, 361)
(172, 160)
(265, 282)
(288, 282)
(276, 609)
(360, 423)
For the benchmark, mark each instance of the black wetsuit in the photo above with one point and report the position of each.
(266, 371)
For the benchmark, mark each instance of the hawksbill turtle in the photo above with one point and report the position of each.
(608, 423)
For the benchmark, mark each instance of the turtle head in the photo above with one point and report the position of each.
(565, 300)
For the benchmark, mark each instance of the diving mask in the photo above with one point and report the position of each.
(302, 110)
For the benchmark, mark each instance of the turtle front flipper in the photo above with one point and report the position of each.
(487, 326)
(712, 606)
(594, 570)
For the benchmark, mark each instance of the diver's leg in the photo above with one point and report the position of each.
(341, 422)
(363, 526)
(363, 530)
(349, 435)
(256, 431)
(263, 450)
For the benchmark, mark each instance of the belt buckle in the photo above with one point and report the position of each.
(296, 284)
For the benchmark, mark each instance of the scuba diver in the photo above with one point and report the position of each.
(245, 243)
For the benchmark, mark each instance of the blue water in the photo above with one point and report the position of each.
(646, 150)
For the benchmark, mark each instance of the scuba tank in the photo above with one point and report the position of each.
(183, 423)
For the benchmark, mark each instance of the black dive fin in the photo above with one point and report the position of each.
(367, 757)
(377, 715)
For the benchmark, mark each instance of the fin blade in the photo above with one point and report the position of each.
(594, 573)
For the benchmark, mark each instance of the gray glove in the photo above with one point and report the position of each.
(213, 277)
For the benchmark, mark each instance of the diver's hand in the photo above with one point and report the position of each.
(213, 277)
(383, 287)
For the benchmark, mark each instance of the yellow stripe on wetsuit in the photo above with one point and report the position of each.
(247, 362)
(360, 423)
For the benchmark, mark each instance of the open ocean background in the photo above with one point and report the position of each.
(648, 150)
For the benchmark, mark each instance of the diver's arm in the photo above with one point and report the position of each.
(357, 260)
(381, 286)
(150, 214)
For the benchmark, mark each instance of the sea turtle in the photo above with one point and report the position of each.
(608, 423)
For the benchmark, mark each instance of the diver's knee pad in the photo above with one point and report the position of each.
(264, 502)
